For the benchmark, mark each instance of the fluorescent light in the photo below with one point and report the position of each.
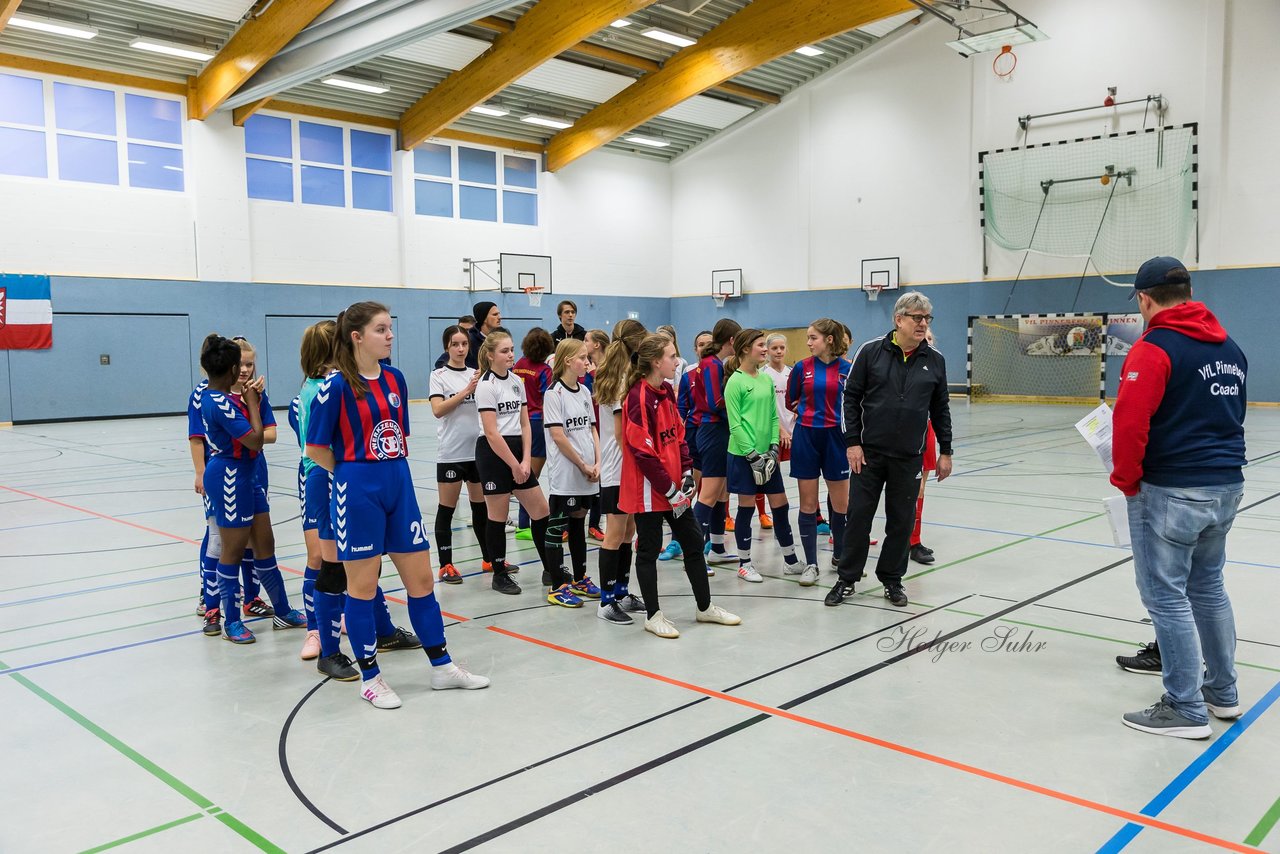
(996, 39)
(172, 49)
(649, 141)
(49, 25)
(809, 50)
(370, 86)
(668, 37)
(486, 110)
(558, 124)
(620, 23)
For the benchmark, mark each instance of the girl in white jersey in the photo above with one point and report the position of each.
(452, 393)
(616, 602)
(504, 459)
(573, 468)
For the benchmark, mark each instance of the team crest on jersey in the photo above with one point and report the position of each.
(450, 473)
(393, 399)
(490, 485)
(386, 441)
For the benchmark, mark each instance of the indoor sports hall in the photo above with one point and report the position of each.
(251, 168)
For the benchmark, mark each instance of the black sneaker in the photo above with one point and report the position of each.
(843, 590)
(546, 579)
(504, 583)
(921, 555)
(338, 667)
(922, 547)
(612, 613)
(401, 639)
(896, 595)
(212, 623)
(1147, 660)
(631, 603)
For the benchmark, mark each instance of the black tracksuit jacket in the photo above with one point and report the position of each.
(888, 403)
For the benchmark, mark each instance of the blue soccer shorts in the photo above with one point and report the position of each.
(375, 511)
(819, 452)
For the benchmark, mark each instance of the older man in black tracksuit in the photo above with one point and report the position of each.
(897, 385)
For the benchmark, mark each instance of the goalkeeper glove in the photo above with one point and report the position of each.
(762, 467)
(678, 500)
(688, 486)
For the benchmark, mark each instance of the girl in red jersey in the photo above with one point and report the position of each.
(532, 368)
(358, 430)
(657, 483)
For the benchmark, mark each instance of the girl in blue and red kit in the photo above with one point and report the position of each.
(713, 439)
(358, 429)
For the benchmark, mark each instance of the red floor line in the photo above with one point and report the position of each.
(1134, 817)
(110, 518)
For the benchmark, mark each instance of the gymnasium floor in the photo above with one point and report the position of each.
(806, 729)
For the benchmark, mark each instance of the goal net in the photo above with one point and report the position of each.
(1116, 200)
(1037, 359)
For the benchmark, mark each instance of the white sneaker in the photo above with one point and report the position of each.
(379, 693)
(792, 568)
(809, 577)
(1223, 713)
(716, 614)
(452, 676)
(716, 557)
(661, 626)
(710, 571)
(747, 572)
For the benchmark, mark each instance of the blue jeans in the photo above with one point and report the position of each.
(1179, 547)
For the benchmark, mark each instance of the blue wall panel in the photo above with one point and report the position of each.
(1235, 296)
(237, 308)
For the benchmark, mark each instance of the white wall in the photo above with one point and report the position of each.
(880, 157)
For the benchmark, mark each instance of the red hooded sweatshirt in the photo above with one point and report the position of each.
(1179, 417)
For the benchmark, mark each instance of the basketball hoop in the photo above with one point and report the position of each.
(719, 300)
(1004, 69)
(534, 295)
(873, 292)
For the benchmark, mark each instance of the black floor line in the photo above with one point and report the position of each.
(681, 752)
(578, 747)
(284, 761)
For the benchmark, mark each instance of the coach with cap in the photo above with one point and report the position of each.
(488, 318)
(1178, 454)
(897, 385)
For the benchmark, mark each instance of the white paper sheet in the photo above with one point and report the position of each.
(1096, 430)
(1117, 507)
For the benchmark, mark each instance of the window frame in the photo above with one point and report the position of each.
(500, 187)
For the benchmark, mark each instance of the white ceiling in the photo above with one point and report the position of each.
(226, 10)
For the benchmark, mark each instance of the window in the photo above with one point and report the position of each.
(89, 134)
(318, 164)
(466, 183)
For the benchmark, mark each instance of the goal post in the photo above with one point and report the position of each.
(1037, 358)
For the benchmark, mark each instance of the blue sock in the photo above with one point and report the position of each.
(229, 591)
(837, 532)
(782, 532)
(329, 608)
(269, 574)
(809, 536)
(309, 577)
(204, 553)
(381, 616)
(742, 525)
(364, 641)
(702, 515)
(424, 616)
(523, 519)
(248, 580)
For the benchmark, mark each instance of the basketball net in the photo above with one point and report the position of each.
(873, 292)
(535, 296)
(719, 300)
(1004, 63)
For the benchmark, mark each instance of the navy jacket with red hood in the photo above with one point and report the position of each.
(1179, 417)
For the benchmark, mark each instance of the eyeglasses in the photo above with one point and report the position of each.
(920, 318)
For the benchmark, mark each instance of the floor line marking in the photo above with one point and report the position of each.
(143, 834)
(1198, 766)
(100, 515)
(1264, 825)
(777, 712)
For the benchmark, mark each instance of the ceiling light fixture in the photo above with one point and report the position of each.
(545, 121)
(620, 23)
(668, 37)
(51, 25)
(183, 51)
(649, 141)
(809, 50)
(486, 110)
(373, 87)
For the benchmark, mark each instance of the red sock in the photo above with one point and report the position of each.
(915, 532)
(760, 508)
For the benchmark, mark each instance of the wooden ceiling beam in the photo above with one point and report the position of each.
(94, 75)
(631, 60)
(240, 115)
(7, 8)
(253, 44)
(545, 31)
(759, 33)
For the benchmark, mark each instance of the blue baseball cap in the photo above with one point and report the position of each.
(1161, 270)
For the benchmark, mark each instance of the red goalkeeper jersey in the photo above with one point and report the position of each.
(654, 453)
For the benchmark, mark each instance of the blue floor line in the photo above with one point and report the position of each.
(1188, 776)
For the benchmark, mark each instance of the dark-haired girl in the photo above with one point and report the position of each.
(358, 430)
(713, 439)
